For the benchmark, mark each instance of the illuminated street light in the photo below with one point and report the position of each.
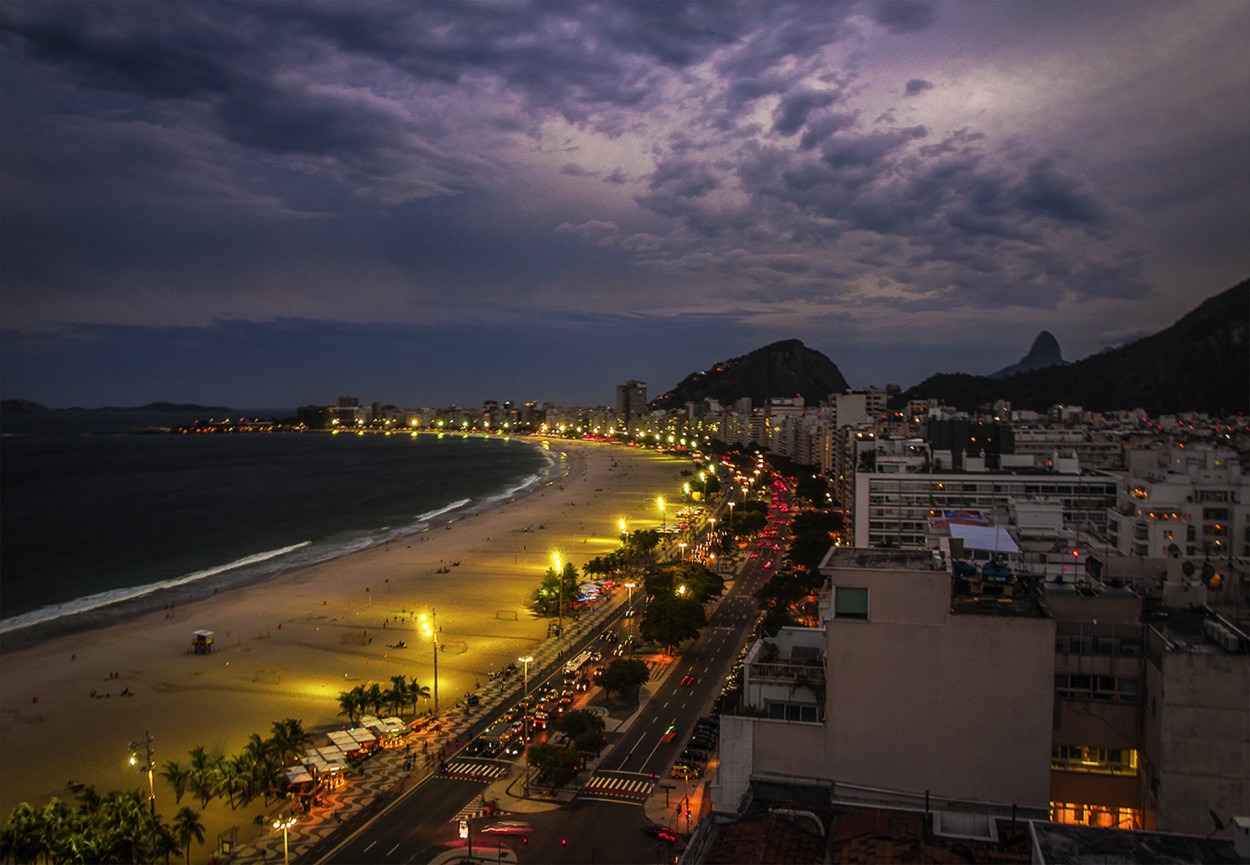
(731, 517)
(682, 546)
(555, 557)
(663, 524)
(430, 627)
(285, 824)
(622, 525)
(525, 734)
(148, 765)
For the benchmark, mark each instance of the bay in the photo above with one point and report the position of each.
(90, 521)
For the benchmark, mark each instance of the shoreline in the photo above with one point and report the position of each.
(28, 629)
(289, 644)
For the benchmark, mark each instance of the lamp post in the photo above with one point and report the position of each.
(147, 766)
(731, 517)
(682, 546)
(663, 523)
(430, 626)
(285, 824)
(525, 724)
(555, 557)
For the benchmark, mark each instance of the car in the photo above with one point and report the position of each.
(693, 755)
(768, 566)
(662, 833)
(686, 770)
(687, 681)
(507, 827)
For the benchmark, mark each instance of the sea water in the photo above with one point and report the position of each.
(91, 522)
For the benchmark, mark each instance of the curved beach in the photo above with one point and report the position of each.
(288, 646)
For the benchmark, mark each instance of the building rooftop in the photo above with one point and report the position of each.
(878, 559)
(800, 832)
(1077, 845)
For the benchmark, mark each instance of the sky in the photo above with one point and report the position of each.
(273, 204)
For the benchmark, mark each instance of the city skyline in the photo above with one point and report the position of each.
(260, 205)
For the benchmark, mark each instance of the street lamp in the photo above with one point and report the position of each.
(285, 824)
(147, 767)
(682, 546)
(525, 724)
(624, 534)
(731, 517)
(430, 626)
(663, 524)
(555, 557)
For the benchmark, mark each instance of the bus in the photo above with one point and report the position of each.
(574, 666)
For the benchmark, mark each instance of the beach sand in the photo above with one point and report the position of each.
(287, 647)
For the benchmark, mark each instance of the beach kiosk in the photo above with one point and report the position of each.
(202, 642)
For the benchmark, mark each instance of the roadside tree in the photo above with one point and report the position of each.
(622, 676)
(556, 764)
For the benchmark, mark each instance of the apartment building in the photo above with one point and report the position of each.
(892, 507)
(1194, 496)
(1099, 705)
(905, 689)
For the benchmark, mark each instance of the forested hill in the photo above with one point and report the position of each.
(780, 369)
(1201, 363)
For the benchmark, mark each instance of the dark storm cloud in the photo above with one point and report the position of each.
(905, 16)
(786, 167)
(1050, 192)
(916, 86)
(793, 109)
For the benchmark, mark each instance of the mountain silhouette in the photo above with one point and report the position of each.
(1045, 352)
(1201, 363)
(780, 369)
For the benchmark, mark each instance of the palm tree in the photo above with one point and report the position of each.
(21, 836)
(234, 778)
(177, 775)
(57, 822)
(375, 698)
(162, 841)
(289, 740)
(123, 819)
(398, 693)
(258, 755)
(88, 802)
(417, 692)
(187, 826)
(351, 702)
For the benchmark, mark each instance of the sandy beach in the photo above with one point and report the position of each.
(286, 648)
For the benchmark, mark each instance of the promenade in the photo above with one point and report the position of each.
(382, 781)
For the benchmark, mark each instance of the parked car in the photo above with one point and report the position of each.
(687, 770)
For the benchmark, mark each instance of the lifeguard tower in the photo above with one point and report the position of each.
(202, 642)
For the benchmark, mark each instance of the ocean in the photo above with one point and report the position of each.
(94, 524)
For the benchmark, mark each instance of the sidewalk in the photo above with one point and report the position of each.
(381, 779)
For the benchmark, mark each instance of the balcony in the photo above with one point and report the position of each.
(764, 673)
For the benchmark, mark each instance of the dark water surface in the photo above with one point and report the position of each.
(87, 520)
